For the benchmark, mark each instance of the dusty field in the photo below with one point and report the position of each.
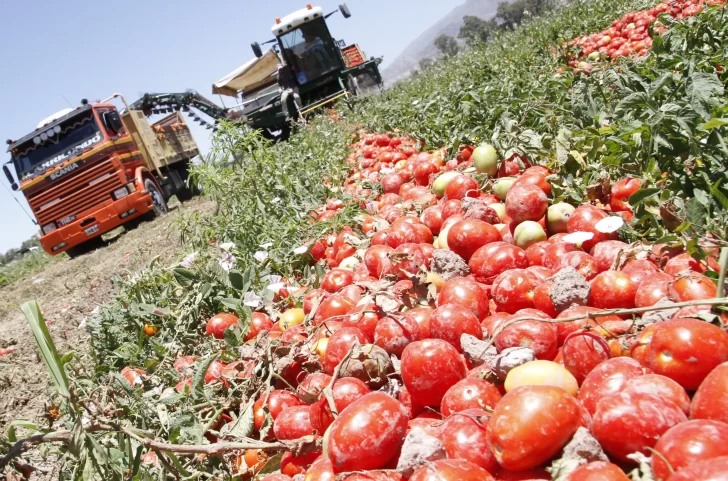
(68, 292)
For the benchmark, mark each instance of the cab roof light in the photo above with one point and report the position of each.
(309, 6)
(278, 20)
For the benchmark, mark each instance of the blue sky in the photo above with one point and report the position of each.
(86, 49)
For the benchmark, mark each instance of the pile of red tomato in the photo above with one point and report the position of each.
(630, 35)
(655, 384)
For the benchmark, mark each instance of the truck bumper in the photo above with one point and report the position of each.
(109, 216)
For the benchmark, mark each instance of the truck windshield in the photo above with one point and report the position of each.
(66, 140)
(310, 51)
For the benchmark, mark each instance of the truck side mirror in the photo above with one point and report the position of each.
(13, 185)
(112, 121)
(256, 49)
(344, 10)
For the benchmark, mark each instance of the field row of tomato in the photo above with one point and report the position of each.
(546, 305)
(523, 273)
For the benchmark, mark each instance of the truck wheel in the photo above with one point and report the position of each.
(86, 247)
(159, 205)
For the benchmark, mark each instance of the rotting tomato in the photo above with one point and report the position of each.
(492, 259)
(584, 219)
(612, 289)
(513, 290)
(460, 187)
(339, 344)
(467, 293)
(583, 351)
(620, 193)
(540, 336)
(531, 424)
(393, 335)
(292, 423)
(526, 202)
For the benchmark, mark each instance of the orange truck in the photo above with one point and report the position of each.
(88, 170)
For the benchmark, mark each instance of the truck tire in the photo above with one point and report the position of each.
(86, 247)
(159, 205)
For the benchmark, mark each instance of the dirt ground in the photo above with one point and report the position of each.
(68, 292)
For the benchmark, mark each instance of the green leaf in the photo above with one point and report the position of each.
(702, 91)
(88, 469)
(642, 194)
(198, 380)
(236, 279)
(713, 124)
(11, 434)
(273, 464)
(231, 303)
(47, 348)
(184, 277)
(233, 336)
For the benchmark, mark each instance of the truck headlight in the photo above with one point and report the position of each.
(48, 228)
(131, 187)
(120, 193)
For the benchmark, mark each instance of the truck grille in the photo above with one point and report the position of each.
(76, 193)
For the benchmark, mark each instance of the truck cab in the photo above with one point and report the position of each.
(86, 171)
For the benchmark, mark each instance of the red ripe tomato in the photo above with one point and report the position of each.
(490, 260)
(293, 423)
(686, 350)
(429, 368)
(451, 470)
(535, 178)
(367, 434)
(534, 474)
(513, 165)
(345, 391)
(467, 293)
(321, 470)
(687, 443)
(336, 279)
(612, 289)
(376, 259)
(460, 187)
(540, 336)
(583, 351)
(584, 219)
(692, 287)
(684, 262)
(597, 471)
(620, 193)
(711, 397)
(423, 172)
(450, 321)
(542, 299)
(259, 322)
(421, 315)
(465, 438)
(278, 400)
(214, 372)
(607, 378)
(513, 290)
(432, 218)
(310, 388)
(715, 469)
(535, 253)
(339, 344)
(469, 235)
(652, 289)
(334, 306)
(638, 270)
(526, 202)
(531, 424)
(393, 335)
(584, 264)
(451, 208)
(365, 317)
(217, 324)
(469, 393)
(555, 251)
(280, 477)
(391, 183)
(411, 264)
(662, 386)
(625, 423)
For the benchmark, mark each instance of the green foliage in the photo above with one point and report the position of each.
(475, 30)
(25, 264)
(660, 117)
(447, 45)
